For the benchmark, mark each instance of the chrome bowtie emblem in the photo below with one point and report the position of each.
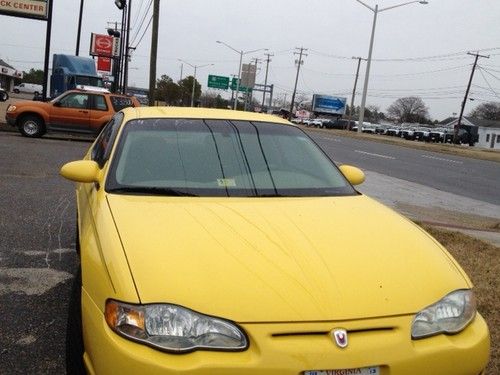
(340, 337)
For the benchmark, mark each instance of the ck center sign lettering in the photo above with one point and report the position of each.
(25, 8)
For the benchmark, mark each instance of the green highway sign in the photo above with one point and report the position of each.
(218, 82)
(234, 83)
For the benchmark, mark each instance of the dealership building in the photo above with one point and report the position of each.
(7, 75)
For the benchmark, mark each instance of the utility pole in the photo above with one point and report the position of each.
(349, 116)
(457, 126)
(182, 68)
(299, 62)
(78, 34)
(269, 55)
(127, 48)
(48, 34)
(154, 52)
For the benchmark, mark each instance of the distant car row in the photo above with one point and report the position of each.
(465, 135)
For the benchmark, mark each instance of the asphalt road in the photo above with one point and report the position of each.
(37, 258)
(471, 178)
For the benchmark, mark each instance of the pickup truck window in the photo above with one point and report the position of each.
(120, 102)
(75, 101)
(99, 103)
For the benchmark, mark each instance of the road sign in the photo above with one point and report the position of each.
(234, 83)
(218, 82)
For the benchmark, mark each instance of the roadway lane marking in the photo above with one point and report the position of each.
(442, 159)
(377, 155)
(330, 139)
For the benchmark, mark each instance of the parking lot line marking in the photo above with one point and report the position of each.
(377, 155)
(442, 159)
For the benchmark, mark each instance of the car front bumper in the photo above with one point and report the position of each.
(291, 348)
(10, 120)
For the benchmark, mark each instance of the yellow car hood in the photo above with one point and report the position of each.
(281, 259)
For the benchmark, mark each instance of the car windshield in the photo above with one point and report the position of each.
(195, 157)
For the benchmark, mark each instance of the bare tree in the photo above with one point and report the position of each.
(409, 109)
(487, 111)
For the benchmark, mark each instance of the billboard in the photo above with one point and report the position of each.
(248, 72)
(327, 104)
(25, 8)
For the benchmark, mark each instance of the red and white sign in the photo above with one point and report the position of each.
(102, 45)
(104, 64)
(303, 114)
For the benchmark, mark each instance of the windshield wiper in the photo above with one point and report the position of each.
(150, 190)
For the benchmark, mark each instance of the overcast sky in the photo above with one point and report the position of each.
(419, 50)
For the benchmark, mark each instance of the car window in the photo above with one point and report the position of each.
(120, 102)
(104, 142)
(75, 100)
(99, 103)
(221, 158)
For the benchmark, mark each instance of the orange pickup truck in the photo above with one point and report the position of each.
(79, 111)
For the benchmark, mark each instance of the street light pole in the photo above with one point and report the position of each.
(195, 67)
(367, 74)
(241, 53)
(375, 11)
(194, 86)
(235, 105)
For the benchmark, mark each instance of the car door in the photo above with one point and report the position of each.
(71, 112)
(100, 113)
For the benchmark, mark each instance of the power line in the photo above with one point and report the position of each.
(485, 80)
(146, 12)
(144, 33)
(136, 18)
(442, 57)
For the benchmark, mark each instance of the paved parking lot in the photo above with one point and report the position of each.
(37, 260)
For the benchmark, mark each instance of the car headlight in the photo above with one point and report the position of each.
(173, 328)
(11, 108)
(450, 315)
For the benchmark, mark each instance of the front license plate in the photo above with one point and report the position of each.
(350, 371)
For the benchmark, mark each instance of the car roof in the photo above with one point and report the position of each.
(199, 113)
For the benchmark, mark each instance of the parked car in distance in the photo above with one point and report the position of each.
(421, 134)
(224, 242)
(4, 95)
(437, 135)
(29, 88)
(393, 131)
(408, 133)
(79, 111)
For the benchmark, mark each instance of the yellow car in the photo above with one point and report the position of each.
(218, 242)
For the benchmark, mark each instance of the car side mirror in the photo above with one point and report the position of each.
(85, 171)
(354, 175)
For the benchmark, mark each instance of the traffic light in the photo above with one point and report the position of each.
(120, 3)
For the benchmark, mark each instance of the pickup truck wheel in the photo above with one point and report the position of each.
(16, 91)
(31, 126)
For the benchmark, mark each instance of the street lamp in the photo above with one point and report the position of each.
(241, 53)
(375, 11)
(195, 67)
